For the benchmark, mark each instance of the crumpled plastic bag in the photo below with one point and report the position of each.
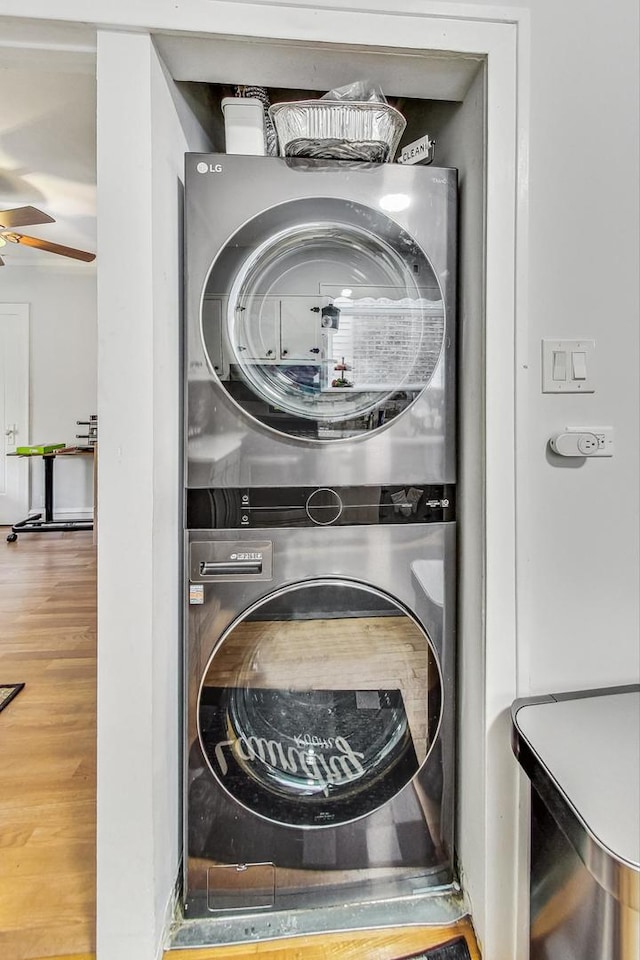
(361, 91)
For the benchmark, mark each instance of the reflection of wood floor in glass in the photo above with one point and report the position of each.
(360, 653)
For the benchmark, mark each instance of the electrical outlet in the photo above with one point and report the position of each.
(604, 436)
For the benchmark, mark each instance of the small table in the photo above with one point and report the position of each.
(45, 523)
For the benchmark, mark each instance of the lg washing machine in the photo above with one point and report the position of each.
(320, 315)
(319, 699)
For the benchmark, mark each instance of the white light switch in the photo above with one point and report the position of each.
(568, 366)
(579, 365)
(559, 365)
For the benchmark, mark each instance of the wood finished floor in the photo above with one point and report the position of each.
(47, 746)
(47, 756)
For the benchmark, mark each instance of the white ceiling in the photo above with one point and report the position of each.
(48, 137)
(425, 74)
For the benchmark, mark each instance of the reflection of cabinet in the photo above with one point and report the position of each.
(268, 330)
(212, 329)
(257, 323)
(300, 329)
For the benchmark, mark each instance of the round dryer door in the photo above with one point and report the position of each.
(320, 704)
(330, 319)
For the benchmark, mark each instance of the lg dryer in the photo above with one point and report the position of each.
(320, 313)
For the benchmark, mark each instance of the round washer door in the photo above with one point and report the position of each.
(320, 703)
(330, 319)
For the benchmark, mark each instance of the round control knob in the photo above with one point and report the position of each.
(324, 506)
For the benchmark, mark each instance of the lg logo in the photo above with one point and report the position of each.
(203, 167)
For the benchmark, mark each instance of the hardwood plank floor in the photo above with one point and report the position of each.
(47, 746)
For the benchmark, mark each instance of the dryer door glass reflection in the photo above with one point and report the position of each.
(320, 704)
(331, 319)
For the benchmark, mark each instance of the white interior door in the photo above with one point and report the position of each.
(14, 410)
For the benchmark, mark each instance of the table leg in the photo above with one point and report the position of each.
(48, 488)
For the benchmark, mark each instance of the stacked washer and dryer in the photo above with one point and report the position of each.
(320, 533)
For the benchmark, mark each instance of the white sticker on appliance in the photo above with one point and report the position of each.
(196, 593)
(420, 151)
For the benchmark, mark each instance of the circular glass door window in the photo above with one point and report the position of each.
(320, 704)
(329, 319)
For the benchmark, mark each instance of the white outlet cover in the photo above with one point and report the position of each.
(570, 384)
(604, 435)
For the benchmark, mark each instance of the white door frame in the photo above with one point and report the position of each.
(500, 34)
(16, 387)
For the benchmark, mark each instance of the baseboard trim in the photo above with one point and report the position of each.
(66, 513)
(69, 956)
(170, 913)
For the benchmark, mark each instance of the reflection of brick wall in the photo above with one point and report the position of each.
(383, 348)
(342, 340)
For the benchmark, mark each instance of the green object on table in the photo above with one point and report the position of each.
(40, 448)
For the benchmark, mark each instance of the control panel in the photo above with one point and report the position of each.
(264, 507)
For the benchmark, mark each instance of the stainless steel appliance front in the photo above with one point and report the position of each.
(320, 715)
(320, 312)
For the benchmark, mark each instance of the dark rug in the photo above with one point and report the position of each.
(456, 950)
(7, 692)
(307, 757)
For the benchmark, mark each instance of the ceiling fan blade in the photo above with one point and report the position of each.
(23, 216)
(50, 247)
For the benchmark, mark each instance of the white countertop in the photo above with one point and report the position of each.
(590, 746)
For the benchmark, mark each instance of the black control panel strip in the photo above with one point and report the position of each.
(264, 507)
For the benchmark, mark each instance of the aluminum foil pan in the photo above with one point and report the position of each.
(340, 121)
(375, 151)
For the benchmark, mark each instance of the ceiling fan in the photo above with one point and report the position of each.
(23, 216)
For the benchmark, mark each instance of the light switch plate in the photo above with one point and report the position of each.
(553, 350)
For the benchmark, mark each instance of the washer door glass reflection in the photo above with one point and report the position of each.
(320, 704)
(330, 319)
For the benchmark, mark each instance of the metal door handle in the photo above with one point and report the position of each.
(220, 567)
(11, 432)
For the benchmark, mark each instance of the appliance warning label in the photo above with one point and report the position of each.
(196, 593)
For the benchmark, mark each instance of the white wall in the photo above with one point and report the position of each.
(126, 883)
(460, 138)
(578, 552)
(174, 132)
(578, 567)
(139, 595)
(62, 305)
